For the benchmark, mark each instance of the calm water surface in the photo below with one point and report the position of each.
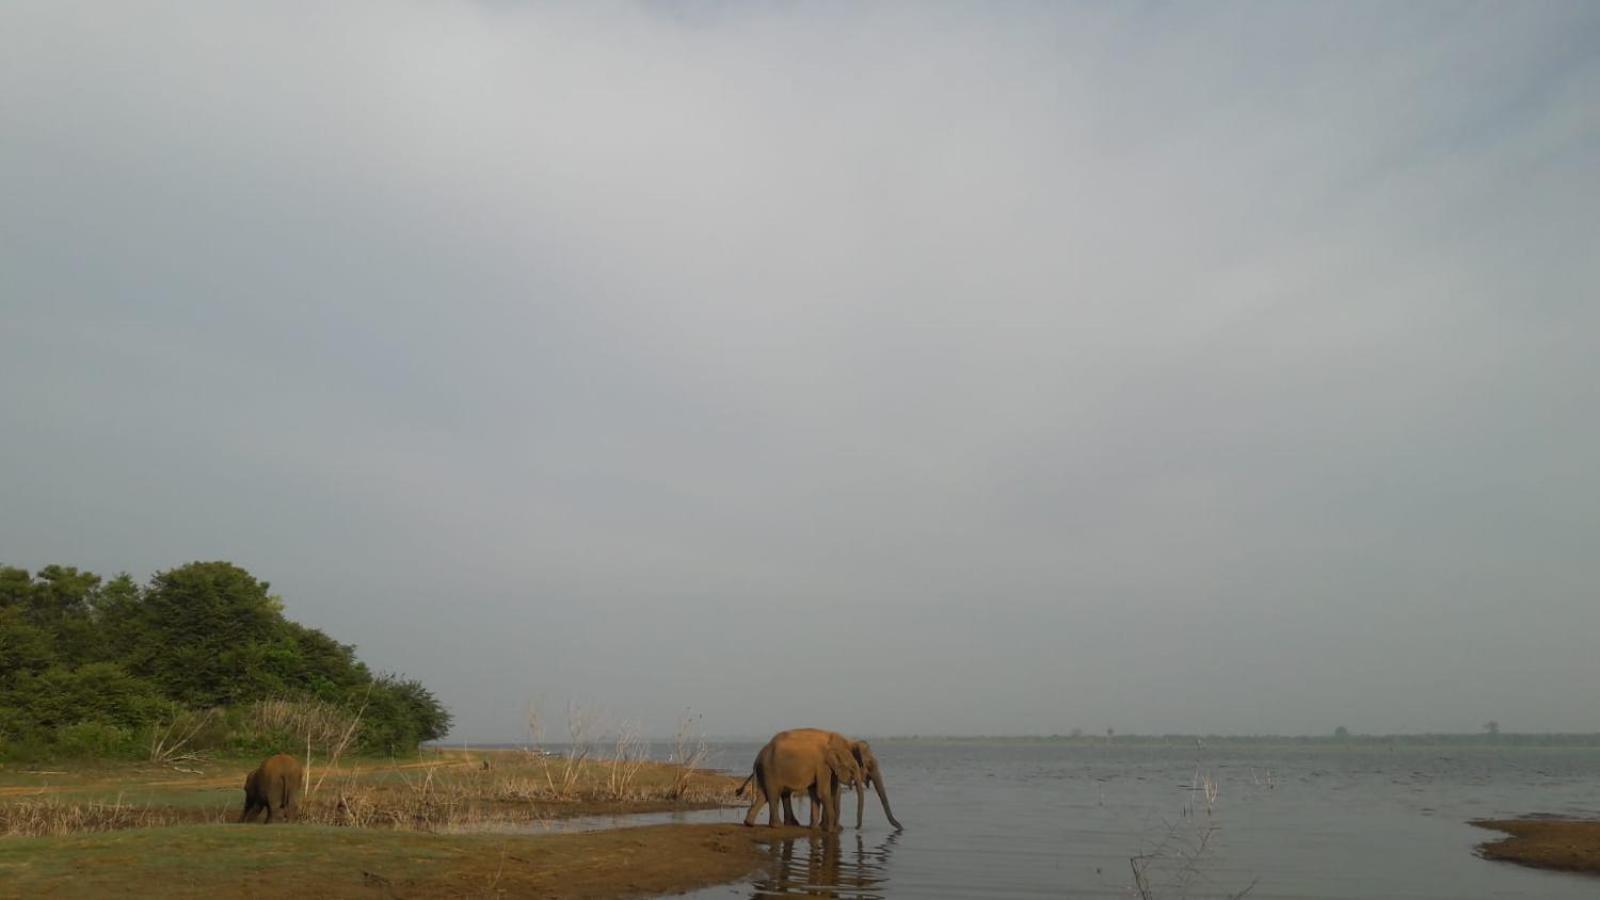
(1050, 820)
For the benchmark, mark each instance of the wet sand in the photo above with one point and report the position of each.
(1566, 844)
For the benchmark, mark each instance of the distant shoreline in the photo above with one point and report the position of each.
(1419, 739)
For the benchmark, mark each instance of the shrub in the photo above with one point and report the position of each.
(97, 692)
(400, 714)
(96, 739)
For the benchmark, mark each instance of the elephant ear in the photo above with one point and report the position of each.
(864, 758)
(844, 765)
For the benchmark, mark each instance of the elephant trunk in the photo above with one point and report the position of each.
(861, 799)
(883, 797)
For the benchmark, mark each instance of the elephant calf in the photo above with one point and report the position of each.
(274, 787)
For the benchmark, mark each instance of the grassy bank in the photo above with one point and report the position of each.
(1566, 844)
(324, 861)
(436, 791)
(424, 827)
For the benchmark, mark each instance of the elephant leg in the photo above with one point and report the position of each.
(757, 800)
(830, 809)
(758, 794)
(251, 807)
(789, 817)
(774, 816)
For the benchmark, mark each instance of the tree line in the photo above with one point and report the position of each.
(93, 666)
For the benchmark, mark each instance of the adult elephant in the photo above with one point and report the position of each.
(799, 761)
(273, 786)
(802, 759)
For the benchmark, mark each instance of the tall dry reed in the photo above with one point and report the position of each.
(54, 817)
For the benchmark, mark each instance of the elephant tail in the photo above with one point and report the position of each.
(744, 784)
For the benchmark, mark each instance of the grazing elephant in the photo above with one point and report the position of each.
(273, 786)
(802, 759)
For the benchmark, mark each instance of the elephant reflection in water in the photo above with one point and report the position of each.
(828, 865)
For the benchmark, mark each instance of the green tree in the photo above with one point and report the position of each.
(68, 601)
(204, 624)
(87, 664)
(400, 714)
(98, 692)
(24, 648)
(62, 592)
(327, 669)
(16, 587)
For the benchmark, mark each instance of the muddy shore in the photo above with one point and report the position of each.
(196, 861)
(1570, 845)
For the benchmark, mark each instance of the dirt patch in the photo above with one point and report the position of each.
(631, 862)
(1571, 845)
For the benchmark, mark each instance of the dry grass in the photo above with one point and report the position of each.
(518, 787)
(602, 770)
(170, 736)
(54, 817)
(451, 791)
(324, 725)
(689, 752)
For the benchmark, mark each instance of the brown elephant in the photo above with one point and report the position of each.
(803, 759)
(274, 787)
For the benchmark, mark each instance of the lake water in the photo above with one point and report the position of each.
(1004, 819)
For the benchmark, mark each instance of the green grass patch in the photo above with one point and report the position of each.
(319, 861)
(204, 860)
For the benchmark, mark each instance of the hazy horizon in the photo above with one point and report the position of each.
(899, 369)
(664, 741)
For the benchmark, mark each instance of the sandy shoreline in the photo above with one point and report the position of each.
(1570, 845)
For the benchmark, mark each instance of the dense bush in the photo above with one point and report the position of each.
(401, 714)
(97, 739)
(99, 668)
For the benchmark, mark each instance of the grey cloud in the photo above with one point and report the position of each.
(907, 369)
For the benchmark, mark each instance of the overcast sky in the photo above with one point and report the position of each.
(894, 369)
